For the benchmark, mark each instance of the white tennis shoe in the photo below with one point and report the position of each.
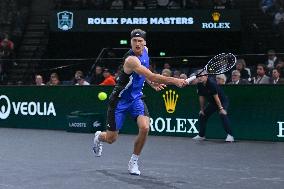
(229, 138)
(199, 138)
(133, 167)
(98, 146)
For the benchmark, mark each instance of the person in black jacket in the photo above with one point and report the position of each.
(207, 89)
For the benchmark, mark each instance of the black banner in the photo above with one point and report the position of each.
(165, 20)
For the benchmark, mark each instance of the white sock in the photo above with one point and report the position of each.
(98, 138)
(134, 157)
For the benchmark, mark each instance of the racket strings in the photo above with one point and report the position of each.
(221, 63)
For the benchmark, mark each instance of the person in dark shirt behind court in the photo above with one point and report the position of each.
(98, 76)
(208, 90)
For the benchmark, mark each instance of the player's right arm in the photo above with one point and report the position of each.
(132, 64)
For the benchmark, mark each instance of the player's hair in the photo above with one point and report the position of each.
(138, 33)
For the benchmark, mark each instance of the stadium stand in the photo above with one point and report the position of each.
(27, 25)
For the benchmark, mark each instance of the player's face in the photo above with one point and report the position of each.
(137, 44)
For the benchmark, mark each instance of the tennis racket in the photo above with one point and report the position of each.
(219, 64)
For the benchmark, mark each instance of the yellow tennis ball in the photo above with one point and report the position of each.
(102, 95)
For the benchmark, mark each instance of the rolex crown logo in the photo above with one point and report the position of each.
(216, 16)
(170, 99)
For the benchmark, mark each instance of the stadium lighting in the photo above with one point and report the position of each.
(162, 54)
(123, 42)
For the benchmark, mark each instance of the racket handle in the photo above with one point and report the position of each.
(190, 79)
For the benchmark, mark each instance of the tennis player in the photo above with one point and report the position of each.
(207, 89)
(126, 98)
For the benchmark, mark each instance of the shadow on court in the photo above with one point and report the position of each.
(141, 181)
(43, 159)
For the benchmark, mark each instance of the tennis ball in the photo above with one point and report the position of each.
(102, 95)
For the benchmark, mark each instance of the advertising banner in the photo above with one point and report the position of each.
(158, 20)
(255, 112)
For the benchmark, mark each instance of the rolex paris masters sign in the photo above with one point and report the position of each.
(142, 21)
(150, 20)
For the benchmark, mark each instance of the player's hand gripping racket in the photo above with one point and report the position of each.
(219, 64)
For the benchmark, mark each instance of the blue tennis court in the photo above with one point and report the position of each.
(44, 159)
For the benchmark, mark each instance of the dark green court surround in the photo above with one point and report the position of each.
(256, 112)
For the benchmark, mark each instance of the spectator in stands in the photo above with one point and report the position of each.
(174, 4)
(272, 60)
(279, 17)
(167, 72)
(128, 5)
(6, 47)
(116, 74)
(261, 77)
(191, 4)
(176, 74)
(39, 80)
(98, 77)
(153, 67)
(236, 78)
(167, 66)
(54, 80)
(221, 79)
(280, 66)
(151, 4)
(267, 5)
(278, 23)
(6, 52)
(240, 66)
(163, 3)
(219, 4)
(79, 78)
(117, 5)
(183, 76)
(98, 4)
(275, 79)
(139, 5)
(109, 79)
(246, 68)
